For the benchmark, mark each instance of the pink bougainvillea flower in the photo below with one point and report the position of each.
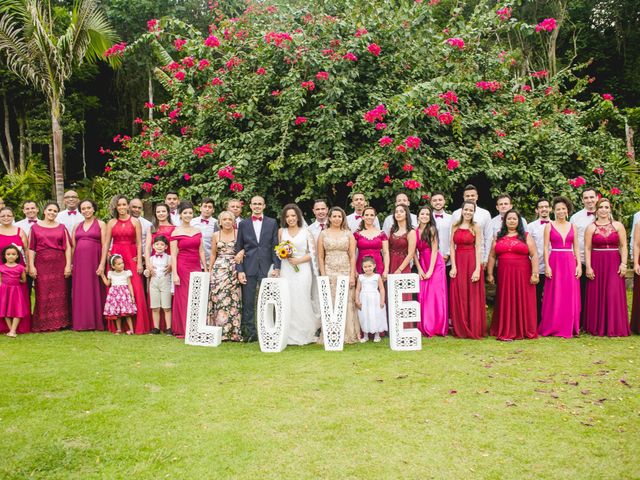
(148, 105)
(377, 114)
(278, 38)
(360, 32)
(504, 13)
(412, 142)
(425, 196)
(381, 126)
(548, 91)
(577, 182)
(107, 169)
(232, 63)
(432, 110)
(540, 74)
(412, 184)
(449, 97)
(261, 71)
(568, 111)
(598, 171)
(349, 184)
(162, 163)
(350, 56)
(537, 123)
(217, 81)
(212, 41)
(519, 98)
(152, 24)
(236, 187)
(401, 148)
(547, 25)
(456, 42)
(498, 154)
(178, 43)
(174, 114)
(322, 75)
(452, 164)
(301, 120)
(203, 150)
(407, 167)
(607, 96)
(237, 115)
(156, 177)
(445, 118)
(188, 62)
(327, 52)
(202, 64)
(275, 93)
(500, 133)
(310, 85)
(146, 186)
(116, 49)
(491, 86)
(374, 49)
(186, 176)
(138, 120)
(173, 66)
(226, 172)
(526, 88)
(615, 191)
(385, 141)
(179, 76)
(387, 179)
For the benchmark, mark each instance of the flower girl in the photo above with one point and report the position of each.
(120, 301)
(370, 301)
(13, 304)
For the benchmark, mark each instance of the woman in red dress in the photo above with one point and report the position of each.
(50, 266)
(161, 226)
(467, 303)
(187, 257)
(12, 235)
(514, 314)
(126, 233)
(373, 242)
(402, 246)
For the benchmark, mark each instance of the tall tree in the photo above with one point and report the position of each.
(44, 55)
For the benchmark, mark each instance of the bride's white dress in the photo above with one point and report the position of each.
(304, 322)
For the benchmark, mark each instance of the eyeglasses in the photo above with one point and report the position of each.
(68, 198)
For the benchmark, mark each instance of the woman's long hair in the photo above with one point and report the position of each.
(343, 225)
(361, 227)
(430, 232)
(407, 220)
(283, 215)
(156, 222)
(461, 219)
(519, 229)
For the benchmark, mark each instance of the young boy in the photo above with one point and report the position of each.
(160, 284)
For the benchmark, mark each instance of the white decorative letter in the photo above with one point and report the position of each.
(274, 310)
(198, 332)
(333, 315)
(403, 311)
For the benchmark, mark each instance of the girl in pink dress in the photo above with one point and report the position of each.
(126, 234)
(12, 235)
(120, 301)
(434, 309)
(187, 257)
(560, 316)
(14, 306)
(605, 254)
(372, 242)
(50, 266)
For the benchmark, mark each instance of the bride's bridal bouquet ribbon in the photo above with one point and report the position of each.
(284, 250)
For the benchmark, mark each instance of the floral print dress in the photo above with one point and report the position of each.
(225, 297)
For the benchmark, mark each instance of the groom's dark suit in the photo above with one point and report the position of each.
(259, 254)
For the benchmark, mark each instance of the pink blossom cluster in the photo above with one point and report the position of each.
(449, 97)
(432, 110)
(540, 74)
(598, 171)
(277, 38)
(226, 172)
(350, 57)
(179, 75)
(385, 141)
(577, 182)
(309, 85)
(412, 142)
(116, 49)
(146, 186)
(491, 86)
(212, 41)
(301, 120)
(381, 126)
(360, 32)
(452, 164)
(607, 96)
(407, 167)
(547, 25)
(615, 191)
(203, 150)
(412, 184)
(236, 187)
(517, 98)
(322, 75)
(202, 64)
(152, 25)
(178, 43)
(504, 13)
(377, 114)
(445, 118)
(456, 42)
(374, 49)
(261, 71)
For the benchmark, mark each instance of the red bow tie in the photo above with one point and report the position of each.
(72, 212)
(358, 217)
(173, 212)
(590, 213)
(159, 255)
(203, 220)
(542, 222)
(439, 215)
(256, 219)
(33, 221)
(322, 226)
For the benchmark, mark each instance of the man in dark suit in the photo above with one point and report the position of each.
(257, 236)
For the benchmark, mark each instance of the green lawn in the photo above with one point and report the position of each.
(93, 405)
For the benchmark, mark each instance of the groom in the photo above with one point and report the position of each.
(257, 236)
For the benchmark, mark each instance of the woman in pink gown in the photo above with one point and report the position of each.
(560, 316)
(605, 254)
(434, 309)
(467, 303)
(126, 234)
(635, 308)
(87, 299)
(515, 314)
(372, 242)
(12, 235)
(187, 257)
(50, 266)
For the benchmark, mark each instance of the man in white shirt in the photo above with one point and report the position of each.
(172, 200)
(634, 224)
(235, 206)
(358, 202)
(206, 224)
(401, 199)
(30, 210)
(70, 217)
(321, 212)
(135, 209)
(582, 219)
(443, 224)
(482, 217)
(503, 205)
(536, 230)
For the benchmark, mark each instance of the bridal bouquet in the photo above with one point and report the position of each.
(284, 250)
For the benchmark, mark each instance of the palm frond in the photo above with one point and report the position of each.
(15, 49)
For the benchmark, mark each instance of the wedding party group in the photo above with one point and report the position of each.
(562, 274)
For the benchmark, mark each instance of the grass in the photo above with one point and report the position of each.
(93, 405)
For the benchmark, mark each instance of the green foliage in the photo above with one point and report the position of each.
(32, 184)
(552, 133)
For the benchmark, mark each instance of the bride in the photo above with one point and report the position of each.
(304, 323)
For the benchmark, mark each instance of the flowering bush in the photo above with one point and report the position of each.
(297, 106)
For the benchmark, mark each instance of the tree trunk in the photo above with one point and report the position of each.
(58, 160)
(84, 155)
(628, 131)
(150, 94)
(3, 156)
(21, 117)
(7, 134)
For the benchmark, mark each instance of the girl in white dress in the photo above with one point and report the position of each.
(304, 323)
(370, 301)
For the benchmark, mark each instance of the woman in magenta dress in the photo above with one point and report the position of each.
(87, 291)
(161, 226)
(50, 266)
(467, 303)
(12, 235)
(560, 316)
(373, 242)
(402, 243)
(126, 234)
(434, 309)
(635, 309)
(605, 254)
(187, 257)
(514, 313)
